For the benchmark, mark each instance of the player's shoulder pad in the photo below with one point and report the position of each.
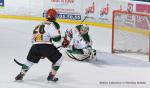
(57, 26)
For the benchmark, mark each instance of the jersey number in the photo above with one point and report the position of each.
(39, 31)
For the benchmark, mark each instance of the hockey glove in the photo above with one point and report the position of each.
(65, 43)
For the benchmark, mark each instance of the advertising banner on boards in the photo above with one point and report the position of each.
(67, 9)
(142, 0)
(95, 10)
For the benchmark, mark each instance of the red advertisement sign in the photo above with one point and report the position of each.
(142, 21)
(142, 8)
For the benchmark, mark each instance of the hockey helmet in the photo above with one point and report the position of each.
(83, 29)
(51, 14)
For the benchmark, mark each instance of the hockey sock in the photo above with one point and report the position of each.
(29, 63)
(55, 68)
(26, 66)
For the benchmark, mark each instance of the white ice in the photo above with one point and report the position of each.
(15, 42)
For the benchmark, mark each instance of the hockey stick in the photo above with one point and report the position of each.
(73, 57)
(60, 47)
(83, 20)
(17, 62)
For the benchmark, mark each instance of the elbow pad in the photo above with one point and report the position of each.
(56, 39)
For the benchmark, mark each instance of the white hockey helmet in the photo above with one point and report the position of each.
(83, 29)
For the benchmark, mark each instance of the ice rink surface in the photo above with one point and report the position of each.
(109, 71)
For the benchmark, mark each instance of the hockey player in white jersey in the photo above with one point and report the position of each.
(42, 38)
(79, 42)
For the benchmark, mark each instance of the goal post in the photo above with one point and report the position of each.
(131, 33)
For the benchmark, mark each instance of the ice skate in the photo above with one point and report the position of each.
(52, 77)
(22, 73)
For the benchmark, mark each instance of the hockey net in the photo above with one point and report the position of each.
(131, 33)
